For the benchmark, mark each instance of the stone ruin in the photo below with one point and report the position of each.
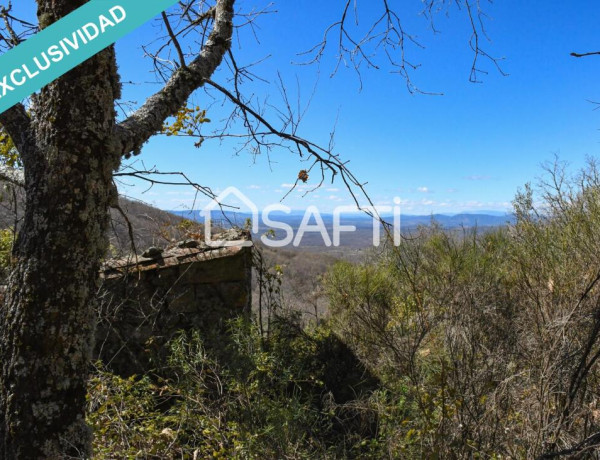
(146, 300)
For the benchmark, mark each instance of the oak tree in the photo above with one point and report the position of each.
(71, 142)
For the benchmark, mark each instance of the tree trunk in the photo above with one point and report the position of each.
(47, 322)
(69, 151)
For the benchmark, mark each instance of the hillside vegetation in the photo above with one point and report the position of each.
(149, 225)
(480, 345)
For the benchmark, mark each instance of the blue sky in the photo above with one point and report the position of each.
(470, 149)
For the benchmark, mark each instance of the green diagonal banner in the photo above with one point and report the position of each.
(63, 45)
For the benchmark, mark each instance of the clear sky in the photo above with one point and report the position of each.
(470, 149)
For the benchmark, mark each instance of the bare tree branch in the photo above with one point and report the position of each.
(578, 55)
(13, 30)
(119, 209)
(12, 175)
(385, 35)
(17, 124)
(148, 120)
(590, 443)
(323, 157)
(174, 39)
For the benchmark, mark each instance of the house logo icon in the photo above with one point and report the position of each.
(218, 202)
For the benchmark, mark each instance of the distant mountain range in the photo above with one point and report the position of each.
(460, 220)
(152, 226)
(361, 237)
(360, 220)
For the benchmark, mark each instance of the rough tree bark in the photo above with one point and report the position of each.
(70, 148)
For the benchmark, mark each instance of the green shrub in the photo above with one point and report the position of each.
(487, 342)
(457, 344)
(287, 396)
(6, 245)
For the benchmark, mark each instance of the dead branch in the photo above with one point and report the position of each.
(358, 46)
(148, 120)
(578, 55)
(17, 124)
(12, 175)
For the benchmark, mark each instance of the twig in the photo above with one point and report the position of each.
(578, 55)
(174, 40)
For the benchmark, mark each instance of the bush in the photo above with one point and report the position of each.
(457, 344)
(6, 243)
(488, 342)
(287, 396)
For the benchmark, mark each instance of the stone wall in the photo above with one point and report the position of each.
(145, 302)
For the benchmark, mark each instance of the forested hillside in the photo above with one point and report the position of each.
(471, 345)
(393, 276)
(149, 225)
